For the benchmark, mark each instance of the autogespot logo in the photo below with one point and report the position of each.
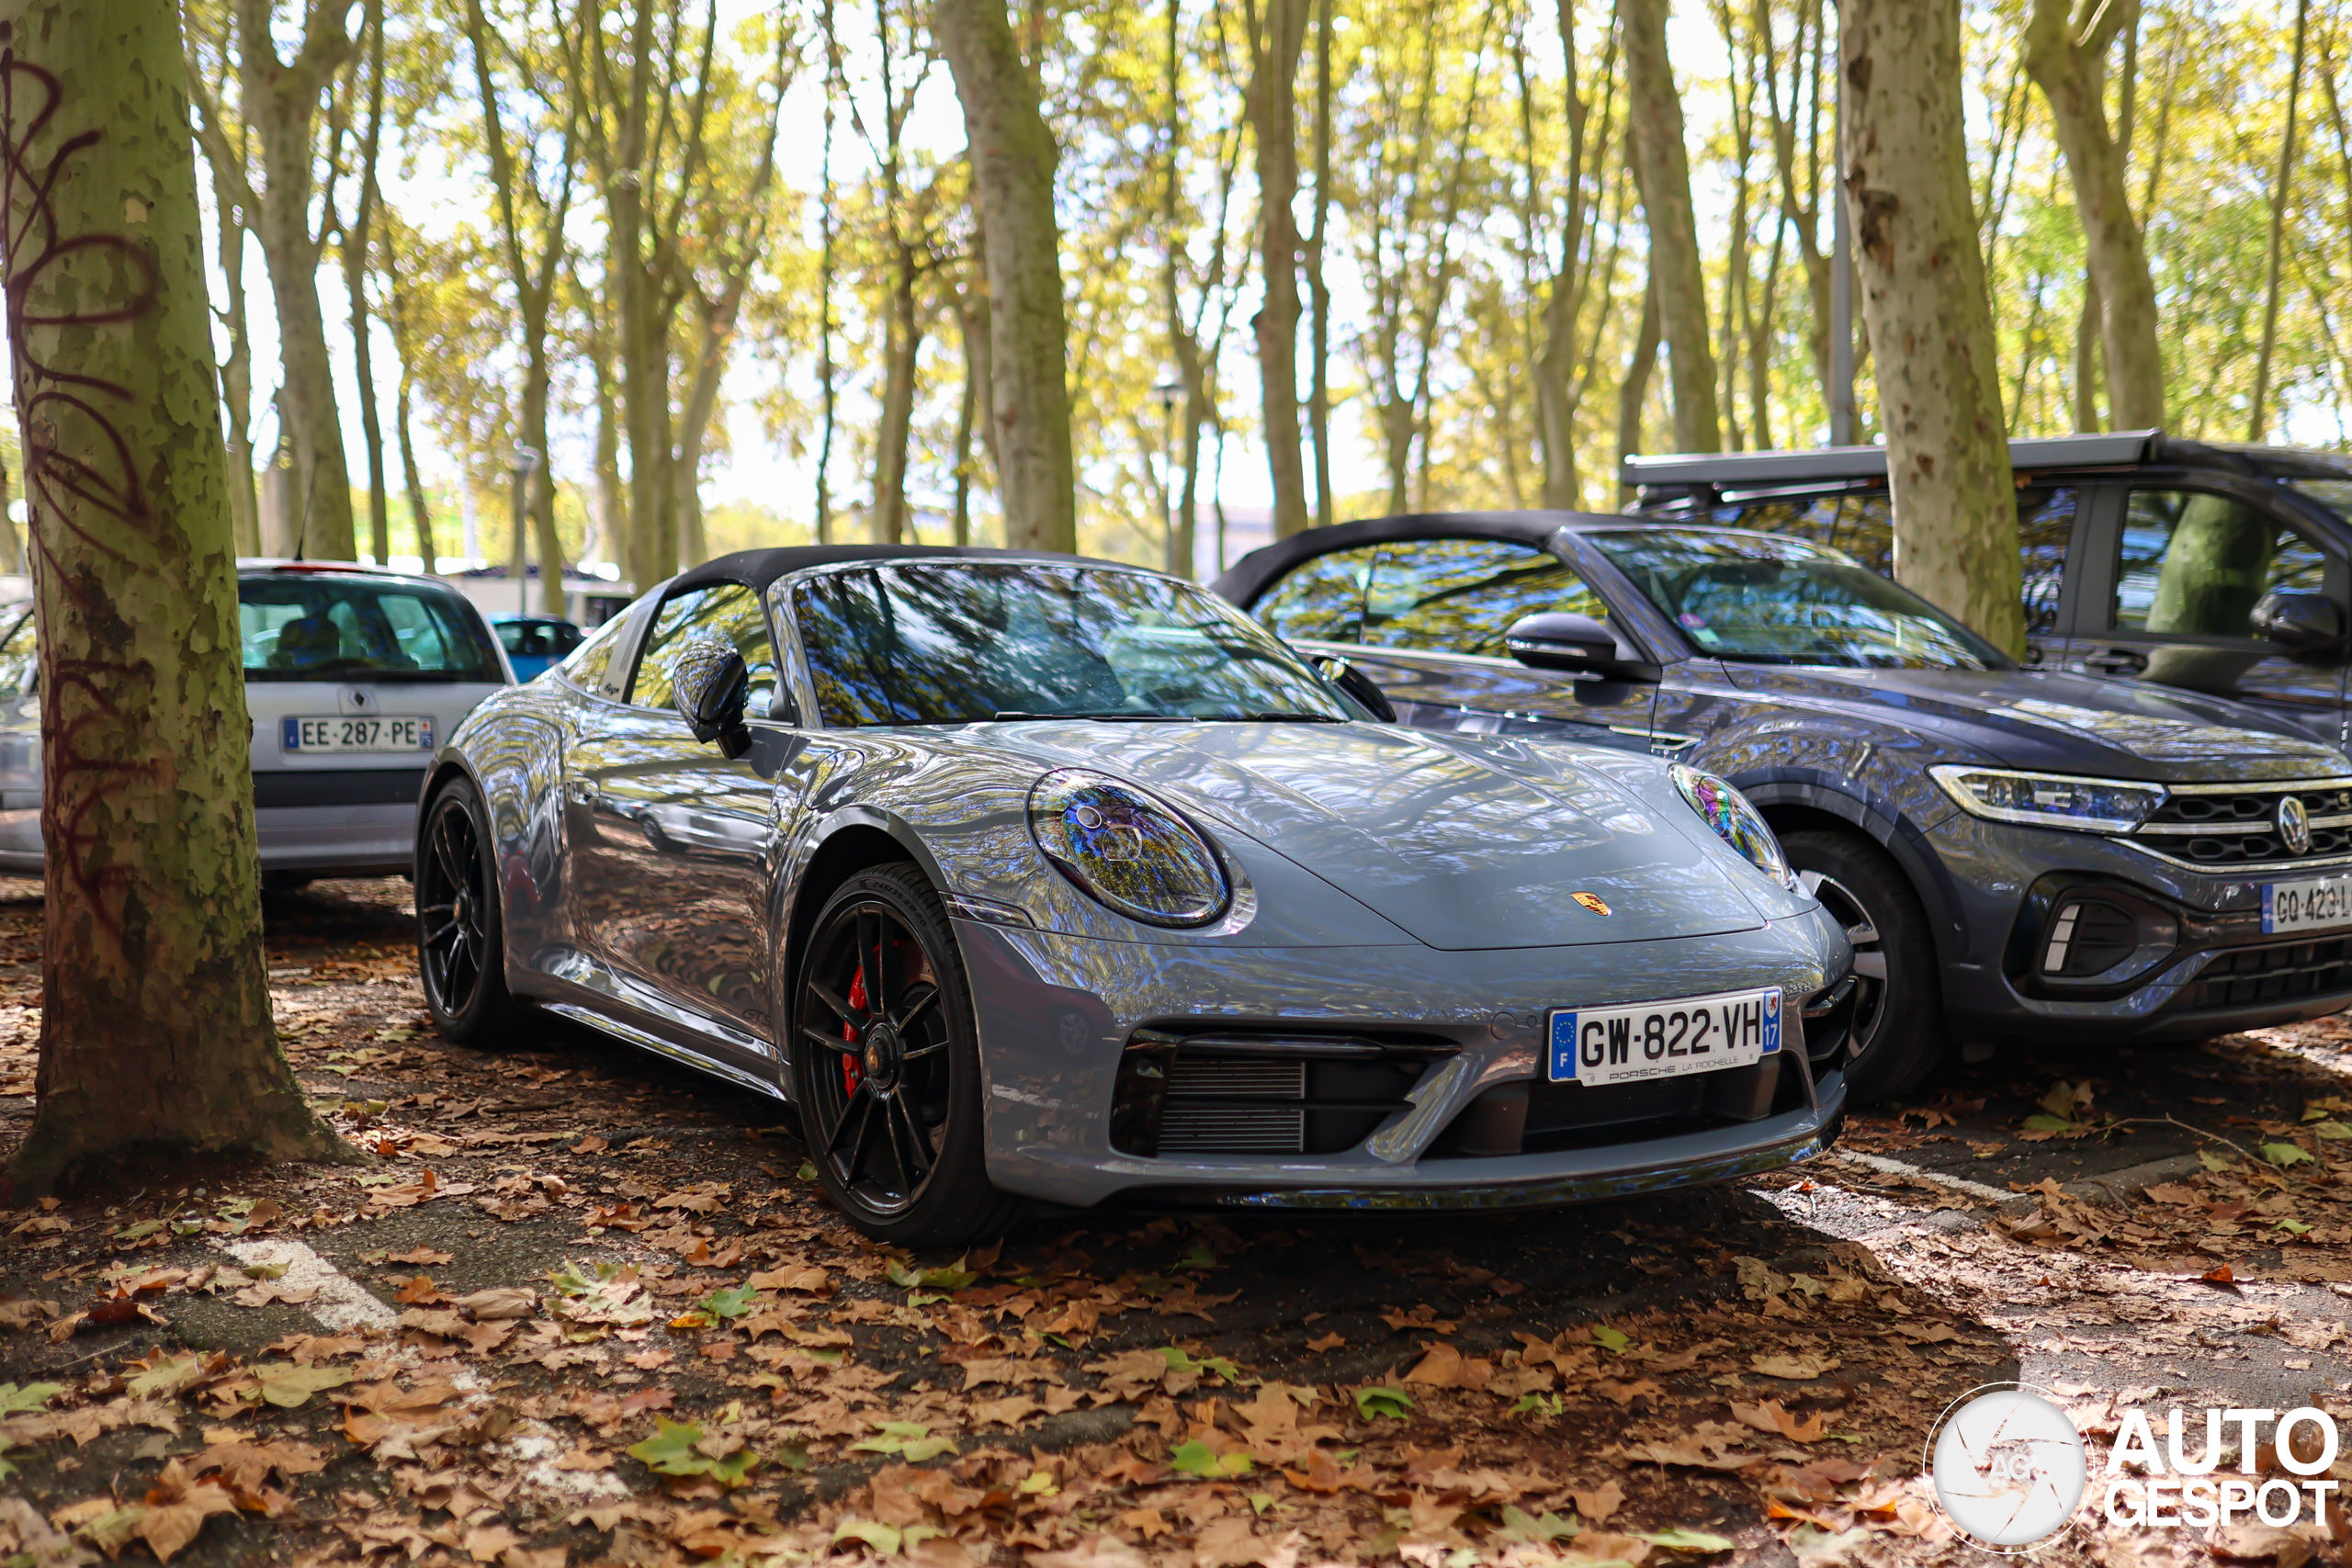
(2008, 1467)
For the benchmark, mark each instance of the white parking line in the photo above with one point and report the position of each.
(1896, 1168)
(341, 1301)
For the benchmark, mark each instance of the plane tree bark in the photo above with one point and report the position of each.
(2066, 54)
(1654, 122)
(1921, 280)
(156, 1037)
(280, 104)
(1013, 156)
(1277, 38)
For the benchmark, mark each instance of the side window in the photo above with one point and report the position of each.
(729, 610)
(1461, 595)
(1322, 600)
(585, 668)
(19, 657)
(2045, 527)
(2196, 564)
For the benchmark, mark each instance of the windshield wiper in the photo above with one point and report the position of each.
(1271, 716)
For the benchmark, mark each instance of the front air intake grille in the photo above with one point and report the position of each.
(2234, 825)
(2288, 972)
(1232, 1091)
(1218, 1130)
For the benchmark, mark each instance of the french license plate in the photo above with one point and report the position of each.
(357, 734)
(1663, 1040)
(2316, 905)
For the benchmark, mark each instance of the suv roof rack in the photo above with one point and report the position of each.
(1747, 470)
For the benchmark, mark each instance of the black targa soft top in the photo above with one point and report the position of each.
(761, 568)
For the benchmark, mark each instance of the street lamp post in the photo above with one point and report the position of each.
(527, 463)
(1168, 388)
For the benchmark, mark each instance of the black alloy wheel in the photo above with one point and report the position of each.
(460, 934)
(1898, 1036)
(886, 1065)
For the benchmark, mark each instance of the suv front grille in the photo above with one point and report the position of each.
(2238, 825)
(2246, 976)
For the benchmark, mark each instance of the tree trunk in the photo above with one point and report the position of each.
(232, 205)
(1012, 157)
(281, 101)
(1635, 388)
(356, 240)
(2258, 412)
(609, 502)
(156, 1035)
(967, 412)
(2067, 65)
(827, 223)
(12, 549)
(1803, 213)
(903, 327)
(2090, 363)
(1921, 278)
(1654, 124)
(1318, 289)
(403, 345)
(1276, 40)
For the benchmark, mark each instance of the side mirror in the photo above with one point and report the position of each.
(713, 687)
(1559, 639)
(1358, 687)
(2308, 623)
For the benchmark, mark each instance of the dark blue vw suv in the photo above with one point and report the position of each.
(2020, 855)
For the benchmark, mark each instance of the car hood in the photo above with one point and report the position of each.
(2073, 724)
(1459, 853)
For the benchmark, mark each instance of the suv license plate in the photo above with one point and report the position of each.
(1663, 1040)
(358, 735)
(2319, 904)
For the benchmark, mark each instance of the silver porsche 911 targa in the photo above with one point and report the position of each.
(1032, 879)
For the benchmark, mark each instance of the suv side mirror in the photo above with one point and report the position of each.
(712, 687)
(2304, 622)
(1358, 686)
(1558, 640)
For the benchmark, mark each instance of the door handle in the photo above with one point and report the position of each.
(2115, 661)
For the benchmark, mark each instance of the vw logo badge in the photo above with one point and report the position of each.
(2294, 825)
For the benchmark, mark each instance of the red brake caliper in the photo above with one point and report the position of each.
(851, 1073)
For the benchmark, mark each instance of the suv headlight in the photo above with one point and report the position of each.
(2049, 800)
(1127, 850)
(1735, 821)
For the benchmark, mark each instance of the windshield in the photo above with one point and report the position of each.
(327, 627)
(1755, 600)
(961, 643)
(2334, 494)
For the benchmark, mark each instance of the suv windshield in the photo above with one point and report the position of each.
(958, 644)
(1753, 599)
(329, 627)
(2334, 494)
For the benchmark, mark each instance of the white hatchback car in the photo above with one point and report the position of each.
(354, 677)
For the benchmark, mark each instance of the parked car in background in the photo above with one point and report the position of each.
(1026, 876)
(2018, 855)
(2200, 567)
(354, 678)
(535, 643)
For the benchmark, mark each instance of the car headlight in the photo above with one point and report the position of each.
(2049, 800)
(1735, 822)
(1127, 850)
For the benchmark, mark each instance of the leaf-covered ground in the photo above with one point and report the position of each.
(585, 1307)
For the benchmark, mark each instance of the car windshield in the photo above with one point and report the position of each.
(1757, 600)
(329, 627)
(961, 643)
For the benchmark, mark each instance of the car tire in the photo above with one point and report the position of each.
(460, 928)
(1898, 1036)
(891, 1109)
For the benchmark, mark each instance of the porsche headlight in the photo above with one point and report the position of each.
(1127, 850)
(2049, 800)
(1735, 822)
